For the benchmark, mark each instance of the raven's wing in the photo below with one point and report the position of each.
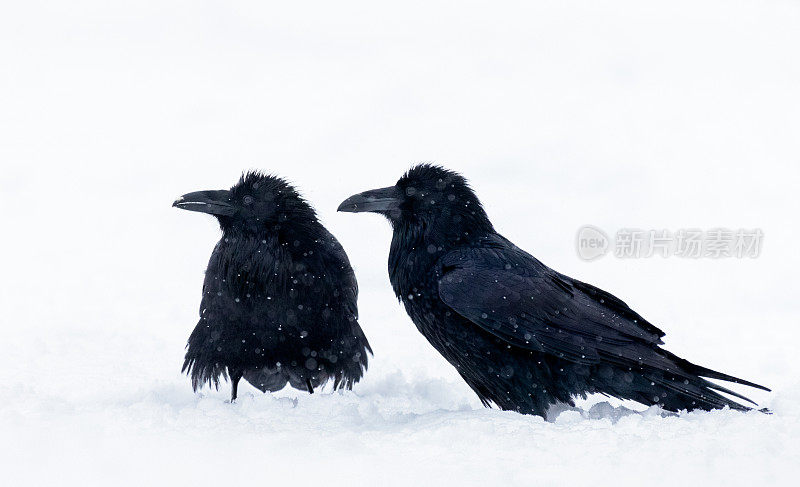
(341, 264)
(346, 292)
(510, 294)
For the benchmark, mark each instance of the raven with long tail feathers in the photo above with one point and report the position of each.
(523, 336)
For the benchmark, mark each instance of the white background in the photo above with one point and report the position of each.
(625, 114)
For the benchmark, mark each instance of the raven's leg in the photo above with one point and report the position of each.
(236, 375)
(310, 387)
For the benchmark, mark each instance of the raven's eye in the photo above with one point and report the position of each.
(247, 200)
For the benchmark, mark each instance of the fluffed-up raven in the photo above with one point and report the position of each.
(523, 336)
(279, 296)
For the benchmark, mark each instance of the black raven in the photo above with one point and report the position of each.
(279, 297)
(523, 336)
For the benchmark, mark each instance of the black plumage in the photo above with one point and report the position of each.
(523, 336)
(279, 296)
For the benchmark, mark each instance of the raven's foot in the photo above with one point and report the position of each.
(236, 375)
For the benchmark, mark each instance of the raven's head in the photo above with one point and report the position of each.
(254, 205)
(426, 194)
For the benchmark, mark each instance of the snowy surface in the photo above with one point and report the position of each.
(675, 115)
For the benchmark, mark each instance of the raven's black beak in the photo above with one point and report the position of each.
(376, 200)
(212, 202)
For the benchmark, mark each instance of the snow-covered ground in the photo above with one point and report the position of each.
(633, 114)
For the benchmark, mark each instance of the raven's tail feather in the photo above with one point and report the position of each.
(713, 374)
(689, 389)
(687, 394)
(718, 387)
